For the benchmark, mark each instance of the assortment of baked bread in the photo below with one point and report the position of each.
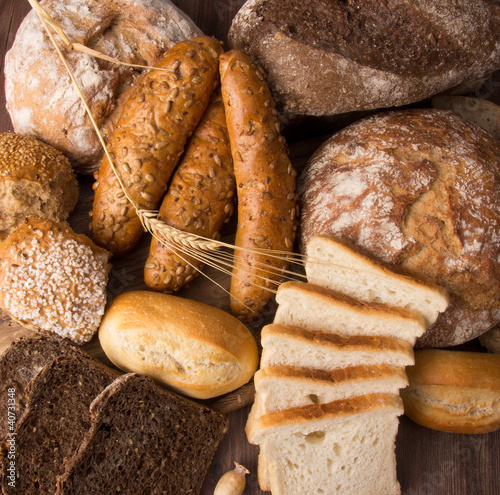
(399, 226)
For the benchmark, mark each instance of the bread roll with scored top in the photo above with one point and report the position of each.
(327, 58)
(319, 309)
(53, 279)
(41, 99)
(35, 180)
(454, 391)
(200, 198)
(191, 347)
(265, 181)
(161, 113)
(418, 191)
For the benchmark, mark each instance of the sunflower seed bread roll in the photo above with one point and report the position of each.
(265, 182)
(149, 139)
(199, 200)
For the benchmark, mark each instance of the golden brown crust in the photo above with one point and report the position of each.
(375, 343)
(419, 190)
(53, 279)
(35, 180)
(348, 374)
(200, 199)
(331, 410)
(194, 348)
(454, 391)
(149, 139)
(329, 296)
(265, 181)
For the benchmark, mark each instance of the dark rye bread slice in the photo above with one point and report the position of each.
(21, 362)
(55, 421)
(144, 439)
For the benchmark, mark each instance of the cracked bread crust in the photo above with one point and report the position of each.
(419, 191)
(366, 55)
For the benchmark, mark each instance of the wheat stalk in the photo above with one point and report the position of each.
(206, 251)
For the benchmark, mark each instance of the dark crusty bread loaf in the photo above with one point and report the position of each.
(418, 190)
(328, 57)
(55, 421)
(22, 361)
(144, 439)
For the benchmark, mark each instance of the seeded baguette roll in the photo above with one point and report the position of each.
(265, 181)
(149, 138)
(199, 200)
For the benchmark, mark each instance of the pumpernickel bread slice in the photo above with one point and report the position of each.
(20, 363)
(144, 439)
(55, 420)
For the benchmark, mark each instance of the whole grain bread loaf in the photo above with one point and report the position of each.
(418, 191)
(21, 362)
(55, 420)
(144, 439)
(328, 57)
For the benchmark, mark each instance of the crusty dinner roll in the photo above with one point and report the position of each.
(419, 191)
(454, 391)
(40, 97)
(35, 180)
(53, 279)
(193, 348)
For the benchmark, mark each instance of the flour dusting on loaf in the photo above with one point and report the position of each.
(418, 190)
(41, 99)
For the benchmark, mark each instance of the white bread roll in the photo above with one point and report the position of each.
(454, 391)
(193, 348)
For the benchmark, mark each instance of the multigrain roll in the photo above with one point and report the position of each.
(53, 279)
(35, 180)
(40, 96)
(191, 347)
(418, 191)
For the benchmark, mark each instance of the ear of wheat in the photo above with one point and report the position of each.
(208, 252)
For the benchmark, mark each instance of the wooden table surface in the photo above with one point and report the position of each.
(429, 462)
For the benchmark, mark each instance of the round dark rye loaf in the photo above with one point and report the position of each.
(327, 57)
(418, 190)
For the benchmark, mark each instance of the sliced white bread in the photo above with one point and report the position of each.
(334, 264)
(317, 308)
(283, 387)
(288, 345)
(342, 447)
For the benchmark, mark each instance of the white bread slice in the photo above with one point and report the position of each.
(283, 387)
(343, 447)
(294, 346)
(317, 308)
(334, 264)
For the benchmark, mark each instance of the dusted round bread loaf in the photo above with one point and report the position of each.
(40, 97)
(35, 180)
(418, 190)
(193, 348)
